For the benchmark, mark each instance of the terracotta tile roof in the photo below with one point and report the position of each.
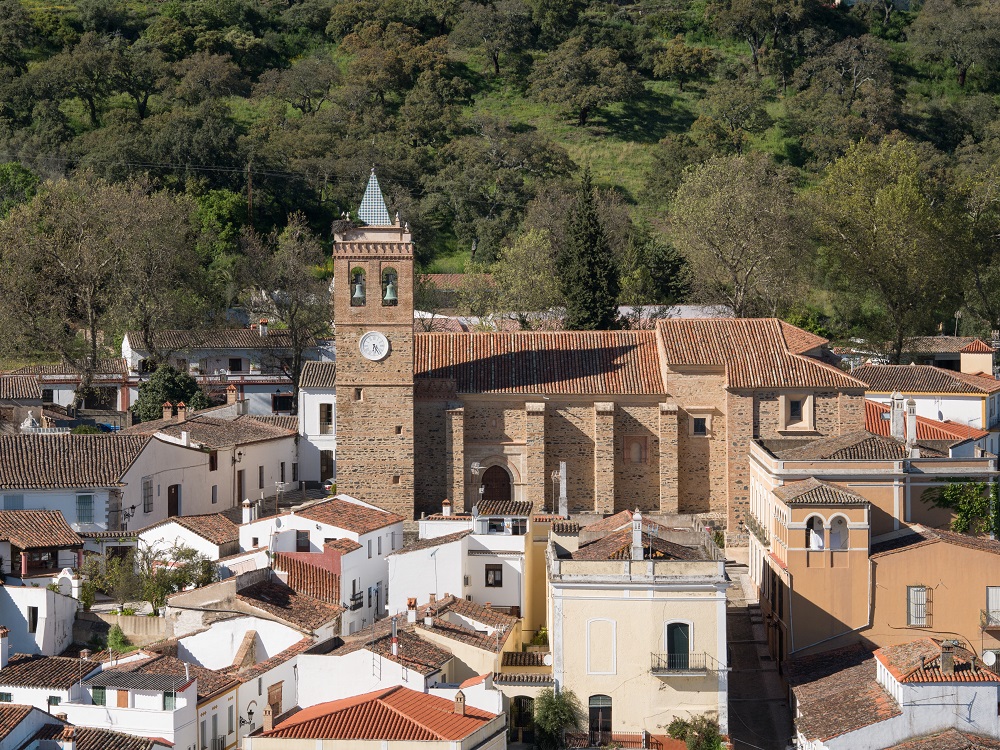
(812, 491)
(16, 387)
(488, 616)
(30, 529)
(611, 523)
(877, 421)
(311, 580)
(261, 668)
(478, 680)
(521, 678)
(836, 692)
(451, 281)
(481, 639)
(567, 362)
(353, 517)
(32, 671)
(919, 535)
(756, 353)
(12, 714)
(212, 527)
(92, 738)
(565, 528)
(218, 338)
(391, 714)
(113, 366)
(920, 661)
(859, 445)
(952, 739)
(213, 432)
(978, 347)
(505, 508)
(800, 341)
(936, 344)
(618, 546)
(414, 652)
(435, 541)
(923, 379)
(343, 546)
(318, 375)
(210, 681)
(44, 461)
(284, 421)
(279, 600)
(523, 659)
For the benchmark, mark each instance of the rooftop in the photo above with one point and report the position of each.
(298, 609)
(937, 344)
(112, 366)
(413, 652)
(812, 491)
(212, 527)
(217, 338)
(618, 546)
(91, 738)
(611, 523)
(351, 516)
(859, 445)
(12, 714)
(920, 535)
(920, 661)
(129, 680)
(31, 529)
(519, 509)
(435, 541)
(32, 671)
(284, 421)
(213, 432)
(877, 421)
(950, 740)
(395, 713)
(65, 460)
(19, 387)
(923, 379)
(318, 375)
(210, 682)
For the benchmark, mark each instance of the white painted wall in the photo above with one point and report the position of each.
(429, 529)
(170, 535)
(481, 695)
(56, 614)
(309, 428)
(329, 677)
(63, 500)
(18, 736)
(252, 694)
(423, 572)
(216, 647)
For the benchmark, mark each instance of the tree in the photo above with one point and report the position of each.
(499, 27)
(698, 732)
(17, 34)
(554, 714)
(884, 224)
(587, 270)
(733, 111)
(763, 24)
(305, 86)
(734, 221)
(977, 194)
(204, 76)
(975, 505)
(683, 62)
(959, 33)
(583, 79)
(653, 275)
(139, 72)
(164, 571)
(17, 185)
(114, 576)
(167, 384)
(85, 72)
(287, 285)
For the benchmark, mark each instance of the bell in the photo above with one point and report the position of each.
(390, 294)
(359, 292)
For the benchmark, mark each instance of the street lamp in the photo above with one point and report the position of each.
(127, 514)
(248, 719)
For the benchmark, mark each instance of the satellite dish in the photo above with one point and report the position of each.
(989, 658)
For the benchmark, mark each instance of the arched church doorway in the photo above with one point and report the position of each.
(497, 486)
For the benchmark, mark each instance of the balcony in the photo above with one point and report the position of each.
(757, 530)
(682, 665)
(989, 619)
(219, 743)
(357, 601)
(326, 428)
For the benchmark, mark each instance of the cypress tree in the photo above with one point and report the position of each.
(587, 268)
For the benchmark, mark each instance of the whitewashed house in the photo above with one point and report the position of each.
(58, 384)
(318, 422)
(212, 535)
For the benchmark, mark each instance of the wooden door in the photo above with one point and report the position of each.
(496, 485)
(173, 500)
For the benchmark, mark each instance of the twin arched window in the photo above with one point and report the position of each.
(816, 534)
(359, 287)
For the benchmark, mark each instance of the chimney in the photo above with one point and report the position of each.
(911, 428)
(247, 511)
(262, 329)
(411, 610)
(181, 411)
(4, 647)
(446, 507)
(428, 618)
(68, 737)
(947, 657)
(395, 638)
(62, 717)
(168, 410)
(637, 535)
(268, 718)
(563, 501)
(460, 703)
(232, 394)
(85, 653)
(185, 438)
(897, 430)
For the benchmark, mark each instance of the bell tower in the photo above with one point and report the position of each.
(373, 318)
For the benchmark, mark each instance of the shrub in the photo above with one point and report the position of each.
(117, 641)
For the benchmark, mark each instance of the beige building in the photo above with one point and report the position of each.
(638, 626)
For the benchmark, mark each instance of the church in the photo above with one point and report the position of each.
(660, 420)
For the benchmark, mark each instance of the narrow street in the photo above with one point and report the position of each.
(759, 716)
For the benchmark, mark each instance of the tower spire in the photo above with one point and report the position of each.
(372, 210)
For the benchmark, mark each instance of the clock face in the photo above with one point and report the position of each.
(374, 346)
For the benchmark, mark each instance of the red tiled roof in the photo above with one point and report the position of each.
(308, 578)
(516, 508)
(756, 353)
(413, 652)
(32, 671)
(951, 739)
(618, 546)
(481, 639)
(923, 379)
(859, 445)
(212, 527)
(800, 341)
(611, 523)
(16, 387)
(920, 661)
(475, 680)
(284, 421)
(977, 347)
(218, 338)
(112, 366)
(344, 514)
(812, 491)
(435, 541)
(12, 714)
(569, 362)
(299, 609)
(30, 529)
(936, 344)
(920, 535)
(44, 461)
(210, 681)
(394, 714)
(488, 616)
(214, 432)
(343, 546)
(927, 429)
(92, 738)
(566, 528)
(263, 667)
(318, 375)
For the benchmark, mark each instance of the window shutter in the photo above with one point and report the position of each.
(929, 607)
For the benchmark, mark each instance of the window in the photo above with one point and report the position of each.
(6, 698)
(281, 402)
(301, 541)
(495, 526)
(260, 686)
(678, 642)
(255, 541)
(232, 722)
(392, 540)
(359, 394)
(699, 426)
(815, 534)
(380, 545)
(13, 502)
(213, 460)
(260, 477)
(215, 494)
(32, 619)
(839, 534)
(399, 429)
(917, 606)
(600, 715)
(369, 549)
(796, 411)
(993, 605)
(295, 471)
(395, 478)
(99, 695)
(282, 472)
(169, 700)
(147, 494)
(326, 419)
(48, 395)
(85, 508)
(494, 576)
(215, 726)
(519, 526)
(54, 700)
(236, 364)
(204, 734)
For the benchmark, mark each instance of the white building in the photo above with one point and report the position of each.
(212, 535)
(59, 383)
(318, 421)
(39, 620)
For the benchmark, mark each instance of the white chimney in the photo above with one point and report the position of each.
(4, 647)
(428, 618)
(247, 511)
(637, 535)
(411, 610)
(446, 507)
(896, 428)
(395, 638)
(563, 501)
(262, 328)
(911, 428)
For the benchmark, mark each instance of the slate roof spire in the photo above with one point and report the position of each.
(372, 210)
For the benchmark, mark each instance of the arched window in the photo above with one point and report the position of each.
(600, 716)
(815, 534)
(839, 534)
(390, 287)
(357, 290)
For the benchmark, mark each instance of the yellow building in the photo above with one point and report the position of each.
(638, 625)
